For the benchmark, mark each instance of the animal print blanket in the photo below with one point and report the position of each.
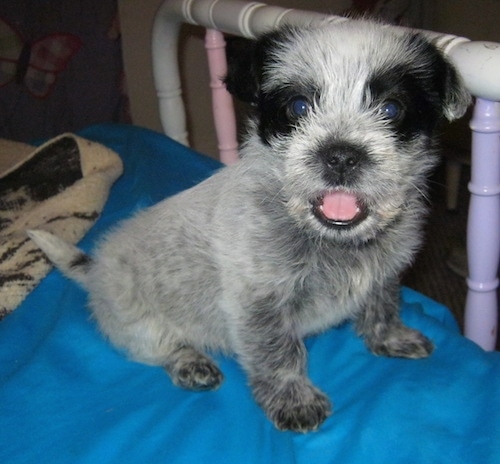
(62, 187)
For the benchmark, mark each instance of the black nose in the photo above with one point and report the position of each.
(343, 161)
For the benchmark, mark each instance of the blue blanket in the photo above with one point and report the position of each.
(67, 396)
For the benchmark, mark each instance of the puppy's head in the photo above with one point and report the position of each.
(344, 119)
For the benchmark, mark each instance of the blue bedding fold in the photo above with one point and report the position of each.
(68, 396)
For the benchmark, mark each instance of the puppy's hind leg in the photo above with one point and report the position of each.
(188, 368)
(383, 331)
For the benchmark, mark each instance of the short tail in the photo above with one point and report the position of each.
(69, 259)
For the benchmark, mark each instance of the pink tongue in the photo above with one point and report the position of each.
(340, 206)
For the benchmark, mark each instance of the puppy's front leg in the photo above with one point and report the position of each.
(383, 331)
(274, 357)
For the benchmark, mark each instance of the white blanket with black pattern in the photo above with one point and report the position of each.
(62, 187)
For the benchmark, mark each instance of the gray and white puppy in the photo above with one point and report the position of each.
(312, 227)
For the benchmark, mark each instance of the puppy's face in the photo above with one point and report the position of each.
(344, 118)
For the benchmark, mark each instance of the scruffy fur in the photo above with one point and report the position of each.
(248, 262)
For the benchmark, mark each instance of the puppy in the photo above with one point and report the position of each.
(310, 228)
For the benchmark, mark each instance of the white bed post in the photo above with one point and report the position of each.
(166, 27)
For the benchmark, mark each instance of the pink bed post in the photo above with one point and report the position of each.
(222, 106)
(483, 234)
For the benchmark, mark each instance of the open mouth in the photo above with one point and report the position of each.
(339, 208)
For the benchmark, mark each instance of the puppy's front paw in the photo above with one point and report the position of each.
(402, 342)
(298, 407)
(193, 370)
(198, 375)
(303, 417)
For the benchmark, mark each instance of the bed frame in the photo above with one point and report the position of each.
(478, 62)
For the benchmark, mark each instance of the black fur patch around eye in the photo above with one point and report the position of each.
(420, 89)
(274, 109)
(419, 101)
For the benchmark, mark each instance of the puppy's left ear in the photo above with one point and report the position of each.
(453, 95)
(456, 97)
(243, 69)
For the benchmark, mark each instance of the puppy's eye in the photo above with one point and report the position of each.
(298, 107)
(391, 110)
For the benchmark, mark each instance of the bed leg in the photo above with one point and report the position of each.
(483, 230)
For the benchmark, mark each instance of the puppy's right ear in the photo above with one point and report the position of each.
(244, 68)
